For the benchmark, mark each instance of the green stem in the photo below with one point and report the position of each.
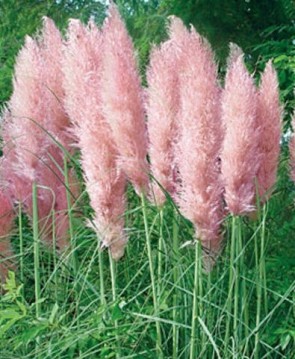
(74, 258)
(244, 294)
(262, 259)
(260, 279)
(231, 283)
(160, 250)
(36, 251)
(101, 276)
(237, 260)
(196, 293)
(176, 255)
(152, 274)
(114, 298)
(21, 247)
(54, 256)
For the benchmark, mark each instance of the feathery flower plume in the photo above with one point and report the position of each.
(27, 108)
(240, 157)
(122, 100)
(30, 155)
(292, 150)
(201, 134)
(162, 109)
(51, 45)
(105, 182)
(6, 224)
(269, 120)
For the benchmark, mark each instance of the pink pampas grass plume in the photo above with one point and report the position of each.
(6, 224)
(57, 121)
(30, 155)
(201, 134)
(122, 101)
(162, 109)
(105, 182)
(292, 151)
(269, 115)
(27, 108)
(240, 159)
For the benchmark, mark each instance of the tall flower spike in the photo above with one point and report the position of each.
(292, 150)
(201, 134)
(27, 108)
(122, 100)
(6, 224)
(105, 182)
(269, 119)
(240, 158)
(51, 46)
(162, 109)
(36, 108)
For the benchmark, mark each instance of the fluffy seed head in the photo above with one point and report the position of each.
(269, 119)
(200, 142)
(105, 182)
(162, 109)
(240, 158)
(122, 100)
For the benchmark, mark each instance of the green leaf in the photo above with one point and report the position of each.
(117, 312)
(285, 340)
(280, 58)
(53, 313)
(32, 333)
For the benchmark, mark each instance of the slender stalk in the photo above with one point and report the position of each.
(175, 329)
(201, 304)
(21, 247)
(196, 293)
(244, 295)
(160, 250)
(101, 276)
(113, 278)
(260, 279)
(73, 245)
(262, 259)
(237, 259)
(36, 252)
(114, 298)
(209, 312)
(152, 274)
(231, 283)
(54, 255)
(74, 258)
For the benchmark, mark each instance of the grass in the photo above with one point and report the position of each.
(156, 301)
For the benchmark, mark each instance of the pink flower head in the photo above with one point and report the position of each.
(201, 134)
(105, 182)
(122, 101)
(35, 109)
(162, 109)
(269, 119)
(27, 108)
(57, 121)
(240, 158)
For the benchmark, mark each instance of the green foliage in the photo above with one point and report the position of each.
(77, 320)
